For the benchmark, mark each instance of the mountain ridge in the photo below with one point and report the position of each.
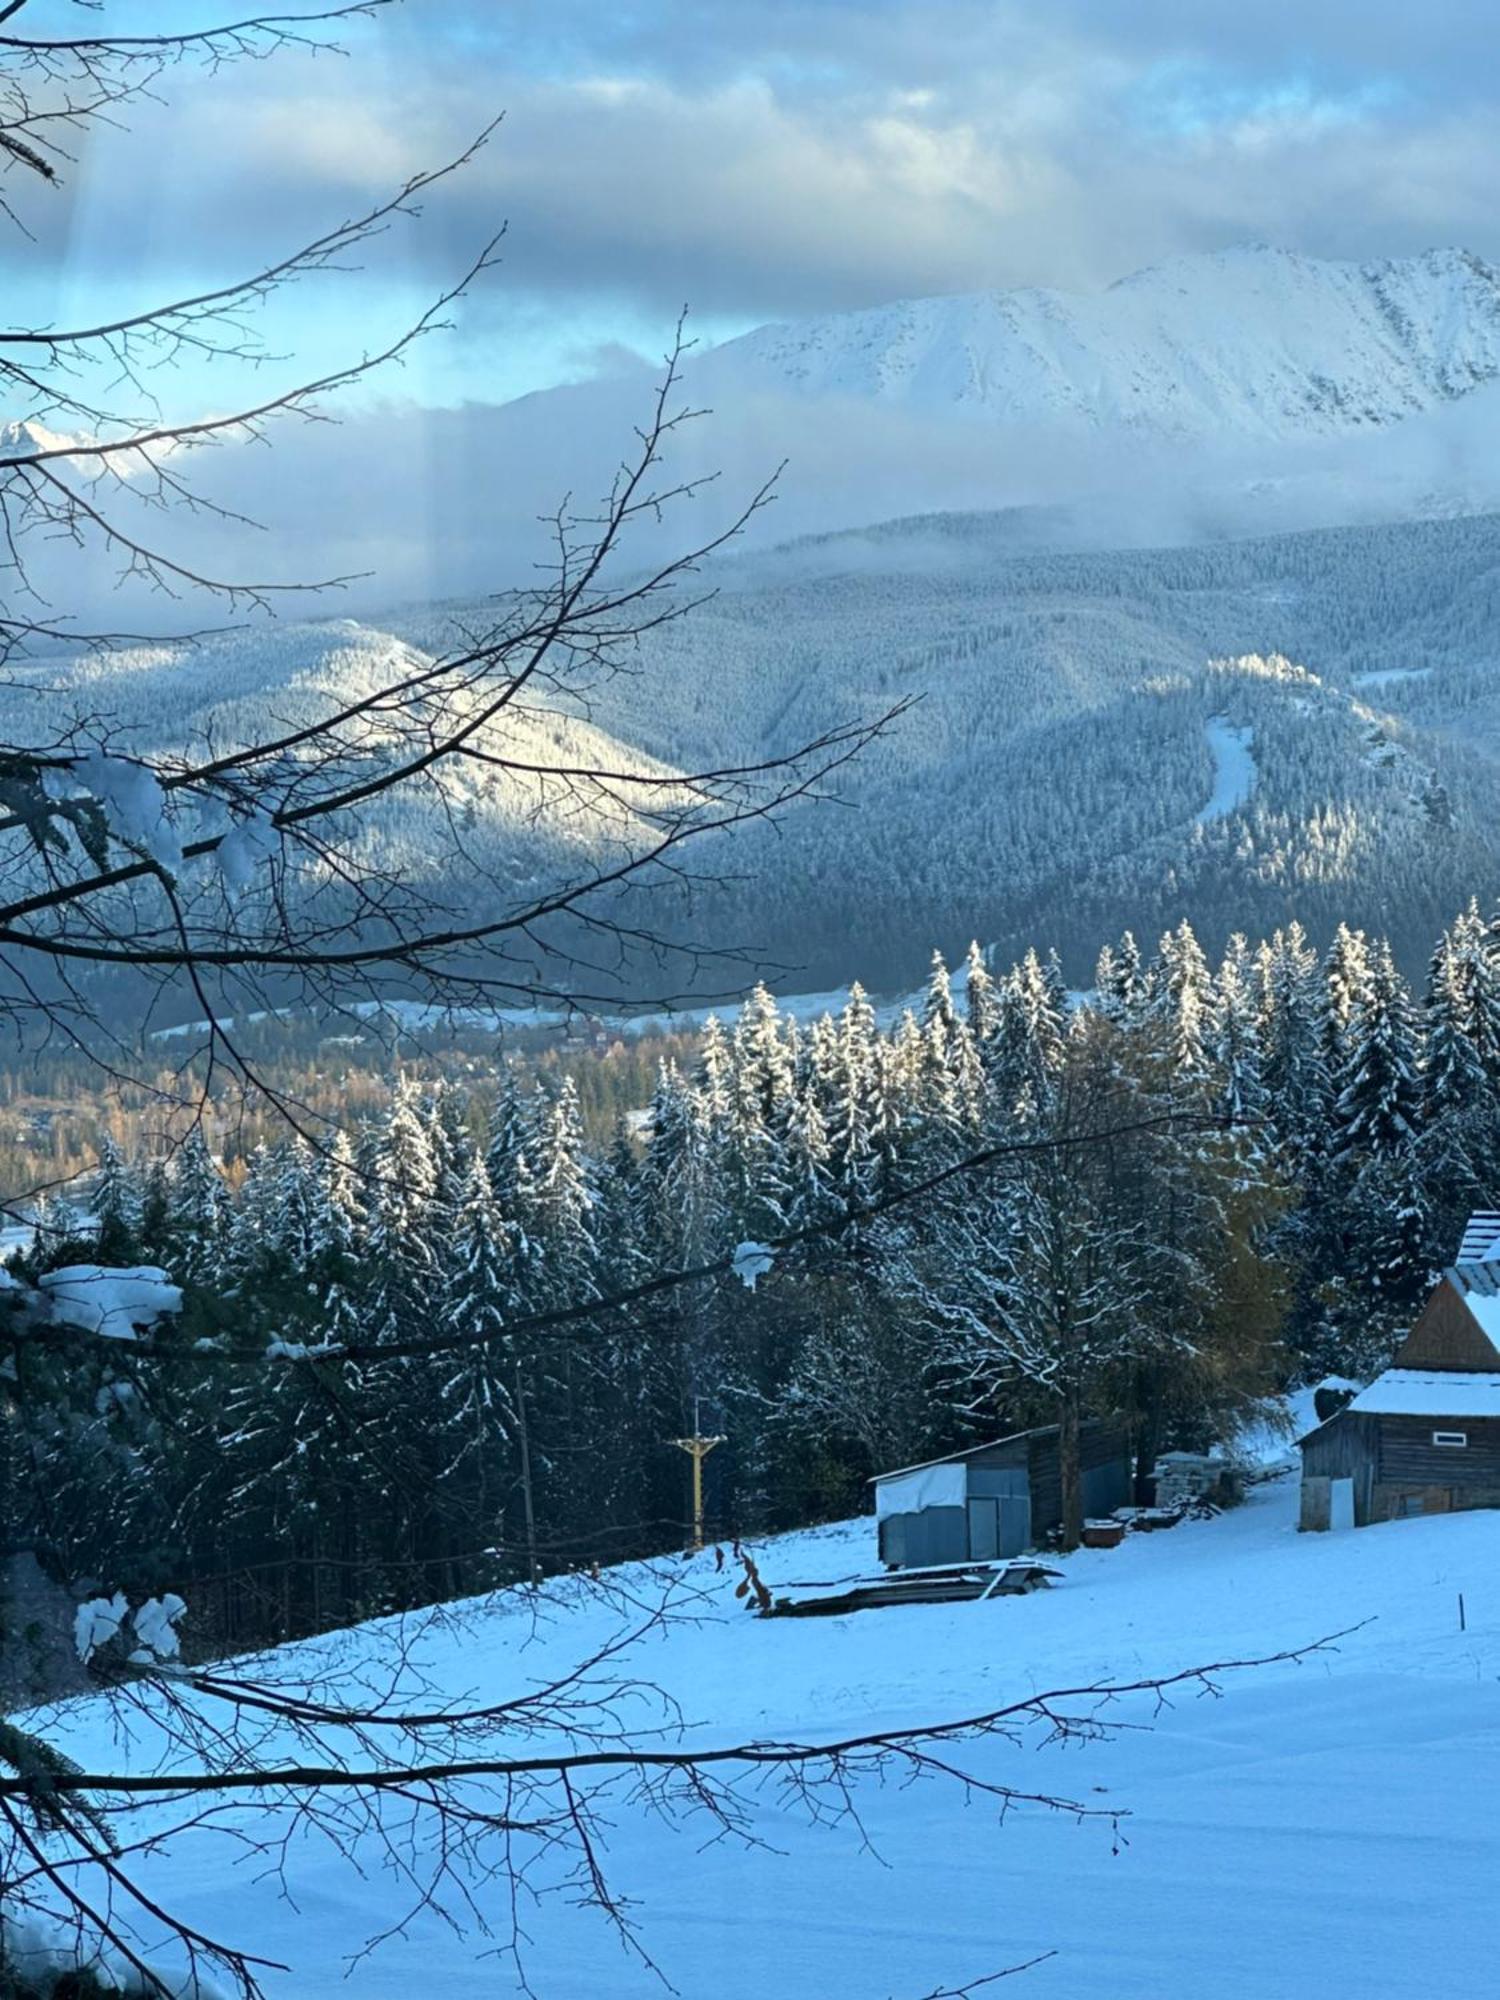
(1253, 341)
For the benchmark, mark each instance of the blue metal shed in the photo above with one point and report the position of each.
(995, 1500)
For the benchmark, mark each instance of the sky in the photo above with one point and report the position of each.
(749, 160)
(771, 158)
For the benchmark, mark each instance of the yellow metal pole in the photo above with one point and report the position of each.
(697, 1448)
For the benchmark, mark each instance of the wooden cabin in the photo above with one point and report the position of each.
(1424, 1437)
(994, 1500)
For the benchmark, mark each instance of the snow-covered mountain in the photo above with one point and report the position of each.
(23, 435)
(1253, 342)
(1075, 763)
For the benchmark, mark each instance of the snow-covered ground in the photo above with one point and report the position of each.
(418, 1017)
(1322, 1828)
(1234, 768)
(1386, 676)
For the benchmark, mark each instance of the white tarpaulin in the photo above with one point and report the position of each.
(923, 1486)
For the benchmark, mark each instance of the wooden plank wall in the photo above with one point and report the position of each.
(1408, 1457)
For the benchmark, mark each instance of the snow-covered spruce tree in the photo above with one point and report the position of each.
(763, 1085)
(981, 1002)
(1289, 1020)
(1460, 1110)
(1346, 984)
(1122, 981)
(1236, 1060)
(1030, 1041)
(1378, 1106)
(1183, 1000)
(860, 1099)
(476, 1410)
(952, 1080)
(118, 1202)
(197, 1213)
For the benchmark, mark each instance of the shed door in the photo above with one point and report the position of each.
(1341, 1503)
(984, 1530)
(1015, 1524)
(893, 1540)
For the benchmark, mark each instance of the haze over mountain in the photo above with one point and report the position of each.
(1239, 393)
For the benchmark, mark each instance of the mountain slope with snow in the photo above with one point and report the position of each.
(1073, 764)
(1316, 1828)
(1254, 343)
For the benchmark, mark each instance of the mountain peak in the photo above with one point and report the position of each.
(1250, 340)
(22, 435)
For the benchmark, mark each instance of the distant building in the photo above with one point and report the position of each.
(994, 1500)
(1424, 1437)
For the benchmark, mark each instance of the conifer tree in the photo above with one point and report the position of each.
(1378, 1106)
(118, 1201)
(982, 1001)
(197, 1213)
(1184, 1000)
(1235, 1054)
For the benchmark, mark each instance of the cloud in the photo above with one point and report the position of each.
(419, 504)
(769, 159)
(760, 161)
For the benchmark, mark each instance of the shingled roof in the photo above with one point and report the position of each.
(1481, 1241)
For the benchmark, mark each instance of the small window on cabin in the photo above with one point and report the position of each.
(1456, 1439)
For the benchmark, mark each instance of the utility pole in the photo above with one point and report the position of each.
(523, 1439)
(697, 1448)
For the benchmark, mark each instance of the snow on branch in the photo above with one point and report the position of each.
(113, 1302)
(752, 1261)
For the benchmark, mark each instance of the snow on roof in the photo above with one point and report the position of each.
(1419, 1392)
(1484, 1308)
(1471, 1278)
(1481, 1241)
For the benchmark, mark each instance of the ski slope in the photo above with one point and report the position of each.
(1233, 751)
(1322, 1828)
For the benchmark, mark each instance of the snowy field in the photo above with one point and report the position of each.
(1325, 1828)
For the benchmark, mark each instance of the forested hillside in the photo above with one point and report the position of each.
(1258, 1166)
(1059, 773)
(1054, 776)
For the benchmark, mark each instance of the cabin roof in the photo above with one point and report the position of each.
(968, 1451)
(1481, 1239)
(1476, 1281)
(1418, 1392)
(1484, 1308)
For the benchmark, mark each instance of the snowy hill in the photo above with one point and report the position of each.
(1254, 342)
(1315, 1829)
(1067, 770)
(1074, 765)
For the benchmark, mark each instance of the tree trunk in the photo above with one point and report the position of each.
(1147, 1435)
(1070, 1472)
